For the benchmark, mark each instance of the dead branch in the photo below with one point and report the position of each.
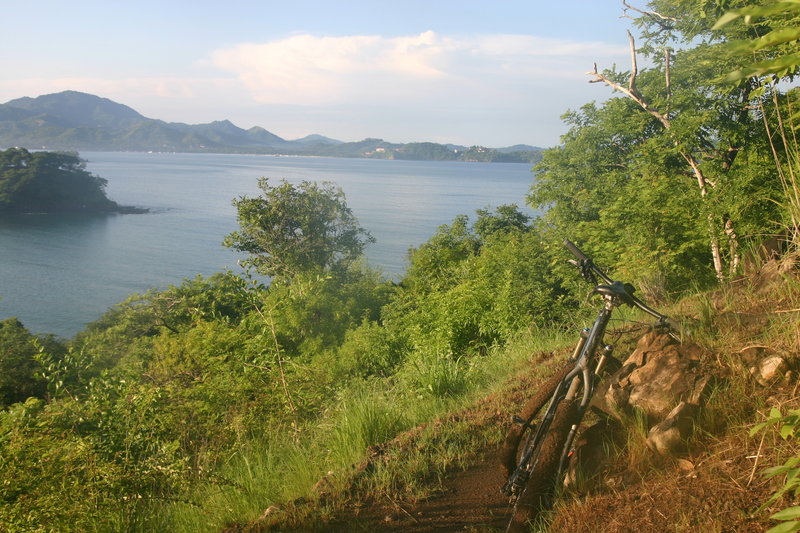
(667, 80)
(666, 23)
(634, 65)
(630, 90)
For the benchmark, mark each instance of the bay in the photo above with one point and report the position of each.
(60, 272)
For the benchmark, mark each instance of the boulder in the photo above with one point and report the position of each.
(659, 374)
(669, 436)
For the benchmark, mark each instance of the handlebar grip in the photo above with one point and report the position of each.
(575, 250)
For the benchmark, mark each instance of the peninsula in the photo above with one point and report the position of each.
(52, 182)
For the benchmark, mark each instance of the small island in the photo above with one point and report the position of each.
(52, 182)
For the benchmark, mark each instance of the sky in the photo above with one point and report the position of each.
(464, 72)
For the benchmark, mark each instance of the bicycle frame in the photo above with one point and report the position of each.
(590, 357)
(583, 373)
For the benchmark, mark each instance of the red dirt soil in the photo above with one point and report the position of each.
(470, 501)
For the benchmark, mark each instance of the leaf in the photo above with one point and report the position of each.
(725, 19)
(789, 513)
(776, 37)
(750, 12)
(758, 427)
(786, 527)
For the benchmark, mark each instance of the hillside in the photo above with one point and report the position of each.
(717, 482)
(71, 120)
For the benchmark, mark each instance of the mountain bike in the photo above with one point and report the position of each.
(537, 449)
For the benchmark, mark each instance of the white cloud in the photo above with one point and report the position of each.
(310, 70)
(487, 89)
(314, 70)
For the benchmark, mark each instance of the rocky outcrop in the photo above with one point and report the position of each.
(662, 380)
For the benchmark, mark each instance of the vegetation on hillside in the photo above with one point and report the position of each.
(51, 182)
(202, 406)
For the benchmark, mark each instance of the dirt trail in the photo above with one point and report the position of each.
(470, 501)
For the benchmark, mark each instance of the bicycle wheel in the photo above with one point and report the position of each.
(518, 436)
(537, 494)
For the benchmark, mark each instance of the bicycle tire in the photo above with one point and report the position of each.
(537, 494)
(517, 437)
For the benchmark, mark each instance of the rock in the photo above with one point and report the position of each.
(658, 374)
(669, 436)
(686, 465)
(700, 390)
(769, 369)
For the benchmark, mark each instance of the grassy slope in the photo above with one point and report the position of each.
(717, 486)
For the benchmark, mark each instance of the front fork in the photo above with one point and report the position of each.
(588, 379)
(519, 478)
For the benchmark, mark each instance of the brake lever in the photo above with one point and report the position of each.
(587, 272)
(585, 266)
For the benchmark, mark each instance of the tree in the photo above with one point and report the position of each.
(19, 368)
(677, 130)
(293, 230)
(49, 182)
(765, 59)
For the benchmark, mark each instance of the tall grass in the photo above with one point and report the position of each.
(278, 465)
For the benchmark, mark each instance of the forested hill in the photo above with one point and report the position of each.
(51, 182)
(71, 120)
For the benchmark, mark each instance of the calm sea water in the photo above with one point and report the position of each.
(57, 273)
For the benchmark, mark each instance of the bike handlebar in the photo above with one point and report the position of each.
(588, 264)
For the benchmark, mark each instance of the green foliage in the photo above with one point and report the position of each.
(788, 427)
(778, 25)
(46, 182)
(441, 375)
(20, 370)
(365, 419)
(89, 465)
(289, 231)
(471, 287)
(369, 350)
(673, 174)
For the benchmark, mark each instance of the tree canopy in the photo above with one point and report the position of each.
(292, 230)
(49, 182)
(676, 167)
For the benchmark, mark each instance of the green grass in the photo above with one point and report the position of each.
(280, 465)
(435, 398)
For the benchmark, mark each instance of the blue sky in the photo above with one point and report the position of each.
(467, 72)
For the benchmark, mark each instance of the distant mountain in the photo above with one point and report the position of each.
(72, 109)
(519, 148)
(310, 140)
(72, 120)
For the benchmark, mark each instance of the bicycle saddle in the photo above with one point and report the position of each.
(619, 290)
